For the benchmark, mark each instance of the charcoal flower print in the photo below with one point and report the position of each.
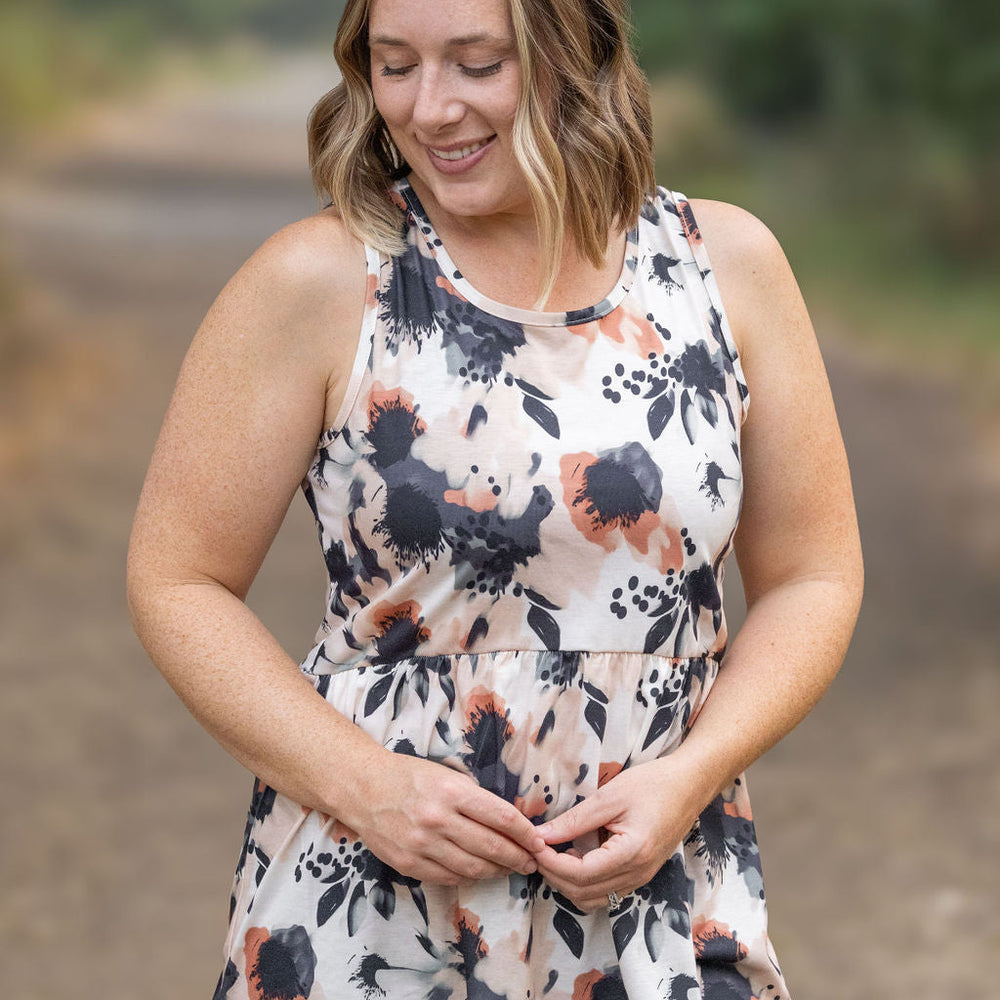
(725, 841)
(280, 964)
(524, 518)
(618, 494)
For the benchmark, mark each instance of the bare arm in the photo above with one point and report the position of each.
(799, 554)
(263, 377)
(797, 545)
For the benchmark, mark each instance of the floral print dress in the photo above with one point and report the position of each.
(524, 516)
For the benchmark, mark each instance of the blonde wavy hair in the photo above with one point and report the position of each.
(586, 152)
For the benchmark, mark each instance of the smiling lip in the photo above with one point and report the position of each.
(457, 159)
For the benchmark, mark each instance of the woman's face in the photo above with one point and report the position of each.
(446, 79)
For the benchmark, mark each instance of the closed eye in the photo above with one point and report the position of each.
(396, 70)
(479, 71)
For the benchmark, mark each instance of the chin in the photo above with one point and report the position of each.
(476, 200)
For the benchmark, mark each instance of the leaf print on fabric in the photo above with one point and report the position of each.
(597, 717)
(480, 630)
(653, 934)
(330, 902)
(715, 325)
(280, 964)
(623, 929)
(542, 415)
(227, 979)
(660, 631)
(357, 878)
(670, 892)
(569, 930)
(660, 412)
(356, 909)
(544, 626)
(480, 415)
(530, 390)
(546, 727)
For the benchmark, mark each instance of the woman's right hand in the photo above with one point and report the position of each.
(437, 824)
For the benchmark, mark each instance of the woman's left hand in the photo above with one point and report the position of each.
(642, 816)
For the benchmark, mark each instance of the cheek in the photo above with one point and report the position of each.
(390, 102)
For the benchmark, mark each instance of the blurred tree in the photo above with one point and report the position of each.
(906, 91)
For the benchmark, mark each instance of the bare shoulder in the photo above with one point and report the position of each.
(753, 274)
(312, 268)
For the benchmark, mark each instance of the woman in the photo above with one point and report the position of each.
(512, 763)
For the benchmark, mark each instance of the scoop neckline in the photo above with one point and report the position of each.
(527, 317)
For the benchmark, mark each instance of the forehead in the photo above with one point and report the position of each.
(438, 21)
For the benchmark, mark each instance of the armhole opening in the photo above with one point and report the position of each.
(693, 235)
(363, 354)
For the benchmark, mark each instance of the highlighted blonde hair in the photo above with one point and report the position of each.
(582, 130)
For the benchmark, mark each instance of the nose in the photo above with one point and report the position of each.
(436, 104)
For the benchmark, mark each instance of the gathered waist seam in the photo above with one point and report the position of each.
(375, 661)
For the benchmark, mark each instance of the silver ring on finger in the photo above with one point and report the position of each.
(614, 900)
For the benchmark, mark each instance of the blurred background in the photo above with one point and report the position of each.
(148, 147)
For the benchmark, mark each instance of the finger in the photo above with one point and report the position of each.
(434, 874)
(606, 863)
(463, 863)
(590, 898)
(486, 843)
(506, 819)
(587, 816)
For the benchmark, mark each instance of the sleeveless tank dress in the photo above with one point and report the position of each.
(524, 516)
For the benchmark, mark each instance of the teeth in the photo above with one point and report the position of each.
(459, 154)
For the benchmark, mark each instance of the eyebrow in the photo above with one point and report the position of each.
(459, 42)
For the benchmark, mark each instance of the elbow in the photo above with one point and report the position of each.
(140, 587)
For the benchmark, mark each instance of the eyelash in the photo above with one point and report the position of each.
(481, 71)
(476, 72)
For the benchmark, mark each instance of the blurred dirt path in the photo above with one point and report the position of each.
(879, 817)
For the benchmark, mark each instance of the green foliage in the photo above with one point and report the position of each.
(900, 97)
(787, 58)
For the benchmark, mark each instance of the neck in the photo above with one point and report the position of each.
(500, 254)
(514, 231)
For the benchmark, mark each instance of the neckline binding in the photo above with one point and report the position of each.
(526, 317)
